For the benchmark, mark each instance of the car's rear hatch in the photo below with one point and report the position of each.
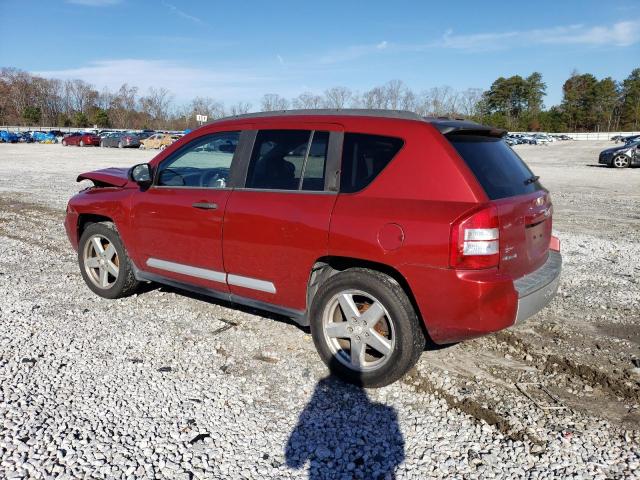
(524, 206)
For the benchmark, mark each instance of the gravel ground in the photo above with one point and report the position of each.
(169, 385)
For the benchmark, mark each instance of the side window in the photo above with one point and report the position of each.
(364, 157)
(203, 163)
(313, 176)
(284, 160)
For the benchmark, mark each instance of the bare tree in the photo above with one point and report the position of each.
(394, 91)
(123, 105)
(470, 102)
(307, 100)
(207, 106)
(374, 98)
(272, 102)
(409, 101)
(80, 96)
(155, 105)
(337, 97)
(239, 108)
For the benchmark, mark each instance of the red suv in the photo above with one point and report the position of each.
(378, 229)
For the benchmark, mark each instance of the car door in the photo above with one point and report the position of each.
(276, 227)
(178, 220)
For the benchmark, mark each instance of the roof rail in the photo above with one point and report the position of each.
(356, 112)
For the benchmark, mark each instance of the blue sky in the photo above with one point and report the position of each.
(236, 51)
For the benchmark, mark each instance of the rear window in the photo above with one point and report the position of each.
(500, 171)
(364, 157)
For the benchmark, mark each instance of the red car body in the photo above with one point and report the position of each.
(266, 244)
(81, 139)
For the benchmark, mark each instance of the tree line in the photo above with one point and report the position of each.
(515, 103)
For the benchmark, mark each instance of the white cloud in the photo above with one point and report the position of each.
(95, 3)
(182, 14)
(621, 34)
(351, 53)
(184, 81)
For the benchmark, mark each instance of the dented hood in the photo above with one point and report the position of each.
(114, 177)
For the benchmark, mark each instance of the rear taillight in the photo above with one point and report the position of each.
(475, 240)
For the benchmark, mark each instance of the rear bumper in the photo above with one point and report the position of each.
(538, 288)
(457, 305)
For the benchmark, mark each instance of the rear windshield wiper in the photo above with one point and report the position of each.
(531, 179)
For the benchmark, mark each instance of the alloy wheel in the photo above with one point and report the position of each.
(101, 261)
(621, 161)
(358, 330)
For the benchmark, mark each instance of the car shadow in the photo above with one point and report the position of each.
(596, 165)
(342, 433)
(146, 287)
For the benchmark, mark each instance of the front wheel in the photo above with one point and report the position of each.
(104, 263)
(621, 161)
(365, 327)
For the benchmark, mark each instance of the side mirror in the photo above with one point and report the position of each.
(141, 174)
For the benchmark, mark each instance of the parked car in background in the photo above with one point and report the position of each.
(315, 228)
(81, 139)
(120, 140)
(158, 140)
(25, 137)
(44, 137)
(623, 156)
(631, 139)
(58, 134)
(8, 137)
(145, 134)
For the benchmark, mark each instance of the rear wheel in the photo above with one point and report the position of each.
(620, 161)
(104, 263)
(365, 328)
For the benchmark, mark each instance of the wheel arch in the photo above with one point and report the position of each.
(86, 219)
(327, 266)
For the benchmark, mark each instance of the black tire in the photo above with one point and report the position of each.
(409, 338)
(125, 284)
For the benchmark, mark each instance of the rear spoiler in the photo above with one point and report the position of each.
(447, 126)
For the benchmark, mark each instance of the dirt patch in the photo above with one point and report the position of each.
(471, 406)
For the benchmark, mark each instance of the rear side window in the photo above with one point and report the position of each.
(288, 160)
(499, 170)
(364, 157)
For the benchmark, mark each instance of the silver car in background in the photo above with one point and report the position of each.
(121, 140)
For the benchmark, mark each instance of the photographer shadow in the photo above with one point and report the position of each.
(345, 435)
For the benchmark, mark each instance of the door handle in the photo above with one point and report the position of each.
(205, 205)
